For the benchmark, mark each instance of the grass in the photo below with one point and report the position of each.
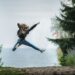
(38, 71)
(12, 71)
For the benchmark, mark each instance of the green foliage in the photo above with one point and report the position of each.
(67, 17)
(66, 20)
(62, 61)
(60, 56)
(68, 60)
(10, 71)
(1, 63)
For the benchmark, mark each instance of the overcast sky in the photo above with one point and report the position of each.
(29, 12)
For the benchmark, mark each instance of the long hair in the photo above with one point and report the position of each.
(22, 30)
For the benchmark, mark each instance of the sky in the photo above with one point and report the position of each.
(28, 12)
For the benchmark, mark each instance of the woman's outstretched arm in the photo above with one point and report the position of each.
(32, 27)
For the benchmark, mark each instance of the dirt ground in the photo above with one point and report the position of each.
(38, 71)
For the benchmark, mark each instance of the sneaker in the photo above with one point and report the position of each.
(15, 47)
(42, 51)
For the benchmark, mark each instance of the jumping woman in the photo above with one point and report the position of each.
(22, 33)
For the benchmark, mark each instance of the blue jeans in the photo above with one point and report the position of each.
(24, 42)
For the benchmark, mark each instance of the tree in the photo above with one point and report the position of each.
(65, 22)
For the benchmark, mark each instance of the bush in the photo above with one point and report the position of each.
(68, 60)
(60, 56)
(1, 63)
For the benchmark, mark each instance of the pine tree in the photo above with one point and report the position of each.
(66, 22)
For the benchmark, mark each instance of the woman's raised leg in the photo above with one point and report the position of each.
(19, 42)
(31, 45)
